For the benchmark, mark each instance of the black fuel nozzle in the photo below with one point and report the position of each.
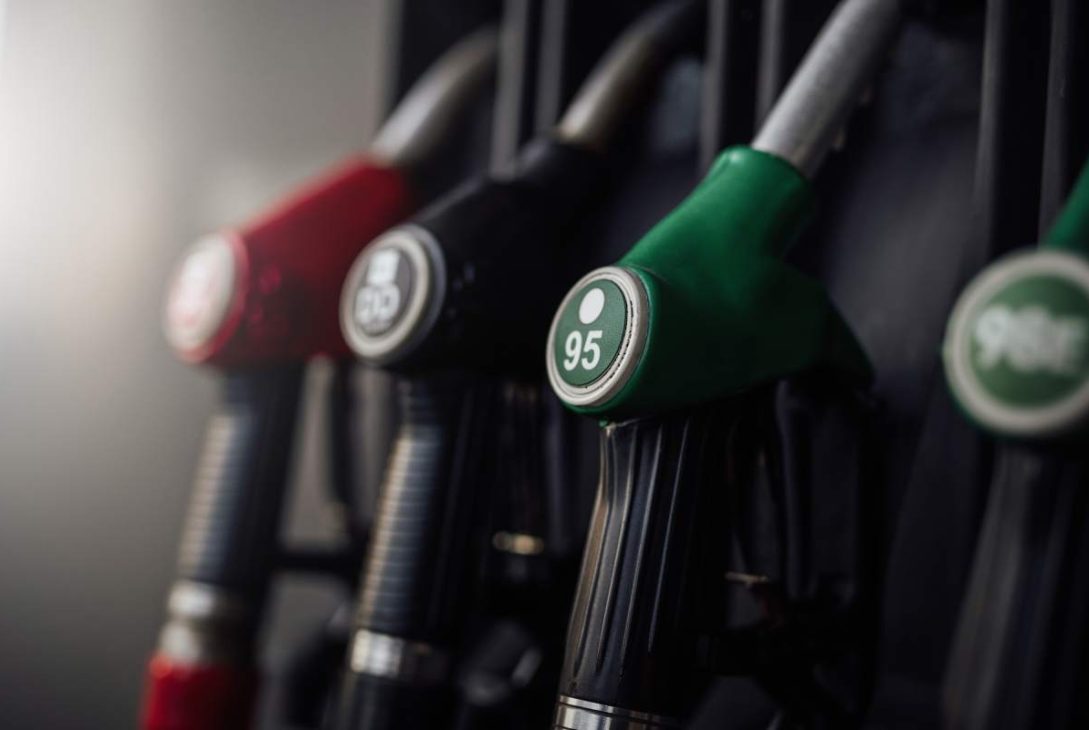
(471, 282)
(457, 296)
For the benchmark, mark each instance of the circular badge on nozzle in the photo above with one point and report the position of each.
(392, 294)
(1017, 348)
(597, 337)
(203, 293)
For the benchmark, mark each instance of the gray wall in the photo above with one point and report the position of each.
(127, 128)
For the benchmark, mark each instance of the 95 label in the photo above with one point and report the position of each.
(589, 332)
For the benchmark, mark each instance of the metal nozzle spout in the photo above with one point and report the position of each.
(620, 79)
(420, 122)
(809, 116)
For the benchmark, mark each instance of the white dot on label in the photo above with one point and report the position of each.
(591, 305)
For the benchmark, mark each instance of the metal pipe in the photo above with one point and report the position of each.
(619, 81)
(424, 118)
(810, 114)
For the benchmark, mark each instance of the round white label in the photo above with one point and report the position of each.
(1017, 348)
(201, 294)
(392, 294)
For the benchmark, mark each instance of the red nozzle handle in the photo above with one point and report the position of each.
(197, 696)
(268, 291)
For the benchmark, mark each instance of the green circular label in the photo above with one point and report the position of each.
(590, 332)
(1030, 341)
(1017, 349)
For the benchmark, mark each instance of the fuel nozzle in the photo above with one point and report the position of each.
(1017, 347)
(259, 301)
(703, 306)
(701, 310)
(471, 281)
(267, 291)
(461, 293)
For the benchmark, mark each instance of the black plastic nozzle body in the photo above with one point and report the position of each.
(418, 581)
(503, 241)
(231, 531)
(413, 587)
(632, 639)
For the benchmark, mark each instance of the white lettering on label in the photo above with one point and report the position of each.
(589, 351)
(377, 302)
(1030, 340)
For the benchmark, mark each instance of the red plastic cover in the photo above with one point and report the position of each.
(197, 697)
(269, 290)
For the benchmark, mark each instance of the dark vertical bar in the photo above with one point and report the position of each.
(513, 120)
(1011, 127)
(553, 64)
(573, 36)
(1018, 660)
(425, 28)
(1066, 127)
(729, 81)
(787, 27)
(343, 475)
(773, 74)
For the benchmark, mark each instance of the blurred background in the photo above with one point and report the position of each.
(127, 129)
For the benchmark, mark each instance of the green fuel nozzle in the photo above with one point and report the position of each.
(1070, 231)
(1016, 351)
(703, 306)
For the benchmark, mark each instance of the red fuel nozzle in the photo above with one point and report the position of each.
(268, 291)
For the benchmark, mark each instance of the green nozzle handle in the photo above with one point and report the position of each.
(703, 306)
(1070, 231)
(1016, 350)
